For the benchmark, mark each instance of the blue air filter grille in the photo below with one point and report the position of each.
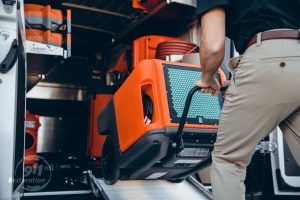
(205, 109)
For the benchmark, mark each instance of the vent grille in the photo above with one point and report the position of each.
(205, 109)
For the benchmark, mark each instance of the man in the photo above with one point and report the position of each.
(265, 87)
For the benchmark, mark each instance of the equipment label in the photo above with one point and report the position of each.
(30, 124)
(156, 175)
(187, 161)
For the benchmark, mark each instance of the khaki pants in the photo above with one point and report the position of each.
(263, 93)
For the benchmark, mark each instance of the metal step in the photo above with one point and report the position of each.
(151, 190)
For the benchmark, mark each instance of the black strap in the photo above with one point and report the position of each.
(179, 140)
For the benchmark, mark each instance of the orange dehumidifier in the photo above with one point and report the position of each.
(141, 123)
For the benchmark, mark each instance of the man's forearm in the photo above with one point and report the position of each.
(212, 42)
(210, 62)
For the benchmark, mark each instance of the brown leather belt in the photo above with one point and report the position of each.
(276, 34)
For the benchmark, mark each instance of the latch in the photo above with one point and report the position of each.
(9, 2)
(8, 5)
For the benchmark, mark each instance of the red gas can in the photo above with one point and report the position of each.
(32, 125)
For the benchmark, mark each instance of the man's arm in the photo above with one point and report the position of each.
(212, 48)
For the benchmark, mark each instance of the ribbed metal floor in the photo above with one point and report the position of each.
(151, 190)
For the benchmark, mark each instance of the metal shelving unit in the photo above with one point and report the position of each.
(45, 49)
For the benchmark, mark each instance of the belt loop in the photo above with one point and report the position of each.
(299, 36)
(258, 39)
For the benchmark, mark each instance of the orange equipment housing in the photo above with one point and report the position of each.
(56, 39)
(95, 141)
(121, 64)
(119, 59)
(144, 118)
(146, 5)
(31, 136)
(145, 47)
(48, 26)
(44, 17)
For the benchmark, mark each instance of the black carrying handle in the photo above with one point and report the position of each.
(179, 141)
(10, 59)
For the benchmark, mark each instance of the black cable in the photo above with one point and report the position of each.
(147, 106)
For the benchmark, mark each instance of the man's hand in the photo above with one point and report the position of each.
(209, 85)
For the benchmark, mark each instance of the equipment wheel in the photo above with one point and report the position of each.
(110, 161)
(177, 180)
